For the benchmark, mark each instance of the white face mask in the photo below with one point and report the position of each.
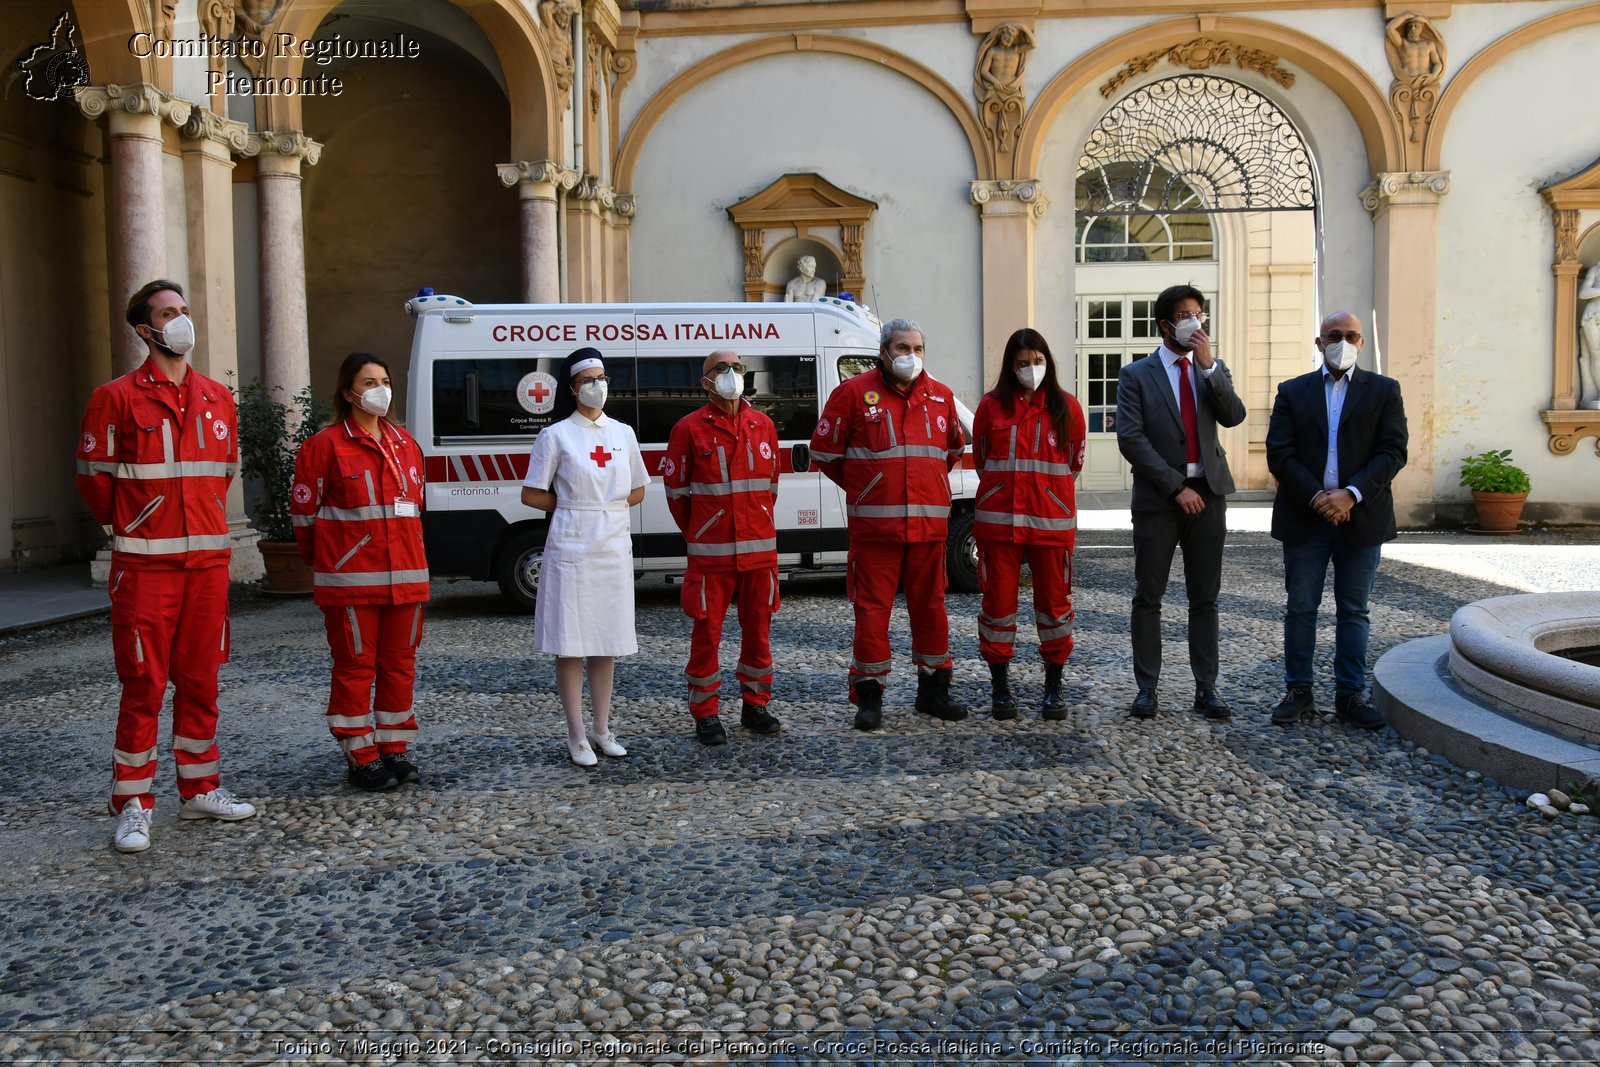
(729, 385)
(178, 337)
(375, 401)
(1031, 376)
(906, 368)
(1340, 356)
(1182, 331)
(592, 394)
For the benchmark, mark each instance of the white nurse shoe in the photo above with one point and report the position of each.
(581, 754)
(607, 744)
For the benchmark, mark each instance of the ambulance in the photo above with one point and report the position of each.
(483, 384)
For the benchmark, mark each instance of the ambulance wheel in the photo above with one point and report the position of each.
(961, 554)
(518, 568)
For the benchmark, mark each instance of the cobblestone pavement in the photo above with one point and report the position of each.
(1095, 890)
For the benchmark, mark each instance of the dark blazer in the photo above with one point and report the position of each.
(1372, 449)
(1150, 430)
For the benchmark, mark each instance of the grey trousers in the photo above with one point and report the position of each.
(1156, 534)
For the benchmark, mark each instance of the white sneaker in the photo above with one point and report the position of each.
(580, 753)
(607, 744)
(133, 827)
(217, 804)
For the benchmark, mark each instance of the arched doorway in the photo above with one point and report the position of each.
(1197, 180)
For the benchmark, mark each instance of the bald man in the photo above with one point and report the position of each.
(1336, 439)
(721, 473)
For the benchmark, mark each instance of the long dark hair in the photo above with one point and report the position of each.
(1008, 390)
(347, 380)
(566, 402)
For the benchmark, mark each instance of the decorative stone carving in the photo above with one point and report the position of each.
(163, 19)
(626, 205)
(854, 235)
(1024, 192)
(1203, 53)
(536, 172)
(806, 286)
(555, 17)
(1402, 187)
(138, 98)
(217, 19)
(292, 144)
(590, 187)
(1417, 57)
(997, 81)
(1566, 221)
(204, 124)
(593, 72)
(1589, 340)
(755, 250)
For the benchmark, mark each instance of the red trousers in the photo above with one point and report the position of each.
(999, 574)
(705, 599)
(168, 623)
(374, 650)
(876, 570)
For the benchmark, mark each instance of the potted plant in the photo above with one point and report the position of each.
(270, 435)
(1499, 488)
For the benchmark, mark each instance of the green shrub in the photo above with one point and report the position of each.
(1493, 472)
(267, 449)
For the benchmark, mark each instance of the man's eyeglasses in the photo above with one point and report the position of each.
(737, 368)
(1201, 318)
(1353, 336)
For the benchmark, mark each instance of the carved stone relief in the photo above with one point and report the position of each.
(1417, 55)
(1203, 53)
(997, 81)
(555, 17)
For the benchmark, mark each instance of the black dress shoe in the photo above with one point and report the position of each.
(374, 777)
(1295, 705)
(1144, 705)
(869, 705)
(405, 772)
(1353, 708)
(1209, 703)
(756, 719)
(710, 731)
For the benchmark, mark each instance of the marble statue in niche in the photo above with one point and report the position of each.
(1589, 340)
(805, 286)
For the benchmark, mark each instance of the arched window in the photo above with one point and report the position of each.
(1149, 216)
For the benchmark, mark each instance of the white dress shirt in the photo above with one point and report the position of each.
(1334, 391)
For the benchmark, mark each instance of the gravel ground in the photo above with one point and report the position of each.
(1095, 890)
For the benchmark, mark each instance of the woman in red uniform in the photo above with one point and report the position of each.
(1028, 436)
(357, 506)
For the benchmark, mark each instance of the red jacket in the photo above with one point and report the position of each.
(154, 462)
(892, 454)
(1025, 488)
(721, 474)
(349, 502)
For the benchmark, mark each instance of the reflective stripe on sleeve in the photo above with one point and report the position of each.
(733, 548)
(898, 511)
(738, 485)
(1031, 522)
(381, 511)
(303, 520)
(87, 466)
(826, 457)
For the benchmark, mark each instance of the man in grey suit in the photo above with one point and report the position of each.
(1169, 405)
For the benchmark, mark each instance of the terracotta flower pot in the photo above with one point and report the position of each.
(1498, 512)
(287, 573)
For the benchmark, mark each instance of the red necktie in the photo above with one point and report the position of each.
(1191, 421)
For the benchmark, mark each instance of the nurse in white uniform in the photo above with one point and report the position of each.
(586, 471)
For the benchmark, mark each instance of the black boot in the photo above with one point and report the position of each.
(933, 696)
(869, 705)
(1054, 706)
(1001, 700)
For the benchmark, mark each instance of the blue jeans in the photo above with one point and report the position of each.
(1305, 566)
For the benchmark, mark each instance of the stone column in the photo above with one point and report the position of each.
(619, 280)
(1405, 209)
(136, 212)
(1009, 210)
(209, 144)
(587, 207)
(539, 185)
(285, 340)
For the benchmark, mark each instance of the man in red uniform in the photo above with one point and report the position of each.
(721, 474)
(159, 447)
(889, 438)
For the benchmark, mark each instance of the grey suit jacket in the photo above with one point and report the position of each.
(1150, 430)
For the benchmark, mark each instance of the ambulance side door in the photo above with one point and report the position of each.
(840, 365)
(784, 386)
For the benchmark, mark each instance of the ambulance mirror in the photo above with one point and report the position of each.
(800, 458)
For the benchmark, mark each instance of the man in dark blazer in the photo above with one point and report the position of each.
(1169, 405)
(1336, 439)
